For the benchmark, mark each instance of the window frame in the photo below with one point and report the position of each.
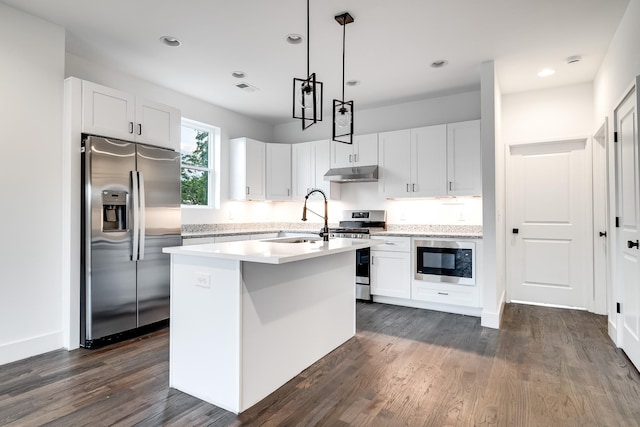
(213, 170)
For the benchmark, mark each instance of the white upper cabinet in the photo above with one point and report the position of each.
(303, 169)
(157, 124)
(429, 161)
(432, 161)
(310, 161)
(464, 165)
(363, 152)
(395, 163)
(113, 113)
(278, 171)
(247, 174)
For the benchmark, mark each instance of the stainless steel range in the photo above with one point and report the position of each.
(360, 225)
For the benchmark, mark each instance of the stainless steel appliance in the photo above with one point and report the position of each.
(445, 261)
(131, 210)
(359, 225)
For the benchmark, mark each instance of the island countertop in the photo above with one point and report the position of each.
(272, 251)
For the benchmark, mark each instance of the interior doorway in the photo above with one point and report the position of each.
(549, 213)
(628, 223)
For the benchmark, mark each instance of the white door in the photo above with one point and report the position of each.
(549, 260)
(626, 126)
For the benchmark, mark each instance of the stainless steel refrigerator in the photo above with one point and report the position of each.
(131, 210)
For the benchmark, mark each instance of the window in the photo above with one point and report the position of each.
(199, 148)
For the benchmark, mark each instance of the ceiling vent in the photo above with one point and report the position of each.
(246, 87)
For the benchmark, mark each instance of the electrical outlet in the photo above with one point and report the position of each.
(203, 280)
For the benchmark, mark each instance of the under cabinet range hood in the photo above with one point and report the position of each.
(353, 174)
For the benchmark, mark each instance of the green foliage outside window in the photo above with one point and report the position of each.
(195, 181)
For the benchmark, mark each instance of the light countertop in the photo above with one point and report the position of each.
(272, 252)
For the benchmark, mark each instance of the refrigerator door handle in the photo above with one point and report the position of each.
(141, 214)
(136, 215)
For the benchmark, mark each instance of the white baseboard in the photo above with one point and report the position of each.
(455, 309)
(17, 350)
(492, 319)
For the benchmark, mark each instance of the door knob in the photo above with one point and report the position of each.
(631, 244)
(603, 234)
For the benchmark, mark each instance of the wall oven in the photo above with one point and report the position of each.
(445, 261)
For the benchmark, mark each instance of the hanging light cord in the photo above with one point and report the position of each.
(308, 39)
(344, 31)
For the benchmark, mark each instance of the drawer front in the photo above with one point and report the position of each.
(197, 241)
(443, 296)
(393, 244)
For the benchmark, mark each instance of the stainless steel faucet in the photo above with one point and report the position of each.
(325, 230)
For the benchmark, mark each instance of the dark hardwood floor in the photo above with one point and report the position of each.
(545, 367)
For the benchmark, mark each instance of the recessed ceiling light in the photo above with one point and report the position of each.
(546, 72)
(439, 63)
(353, 83)
(170, 41)
(239, 74)
(294, 38)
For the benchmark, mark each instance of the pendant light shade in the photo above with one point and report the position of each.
(343, 110)
(307, 94)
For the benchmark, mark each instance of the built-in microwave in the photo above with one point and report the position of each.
(445, 261)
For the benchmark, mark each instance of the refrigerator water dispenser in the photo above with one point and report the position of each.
(114, 211)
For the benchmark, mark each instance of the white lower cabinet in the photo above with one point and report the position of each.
(444, 293)
(197, 240)
(229, 238)
(391, 268)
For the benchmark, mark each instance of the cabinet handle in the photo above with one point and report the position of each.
(442, 293)
(247, 190)
(355, 158)
(413, 188)
(130, 127)
(450, 185)
(288, 192)
(407, 187)
(631, 244)
(139, 129)
(372, 260)
(350, 158)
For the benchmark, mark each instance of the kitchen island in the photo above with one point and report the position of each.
(248, 316)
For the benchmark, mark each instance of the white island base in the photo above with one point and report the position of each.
(242, 329)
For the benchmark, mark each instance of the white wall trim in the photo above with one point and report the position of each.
(446, 308)
(490, 319)
(28, 347)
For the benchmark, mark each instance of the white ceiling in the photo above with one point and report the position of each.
(389, 47)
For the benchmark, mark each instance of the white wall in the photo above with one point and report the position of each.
(615, 76)
(492, 194)
(620, 66)
(31, 103)
(232, 124)
(446, 109)
(541, 115)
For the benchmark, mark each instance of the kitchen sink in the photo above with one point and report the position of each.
(294, 240)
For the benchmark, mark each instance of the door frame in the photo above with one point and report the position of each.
(614, 320)
(590, 299)
(600, 148)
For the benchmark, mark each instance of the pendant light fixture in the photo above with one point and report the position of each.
(343, 110)
(307, 94)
